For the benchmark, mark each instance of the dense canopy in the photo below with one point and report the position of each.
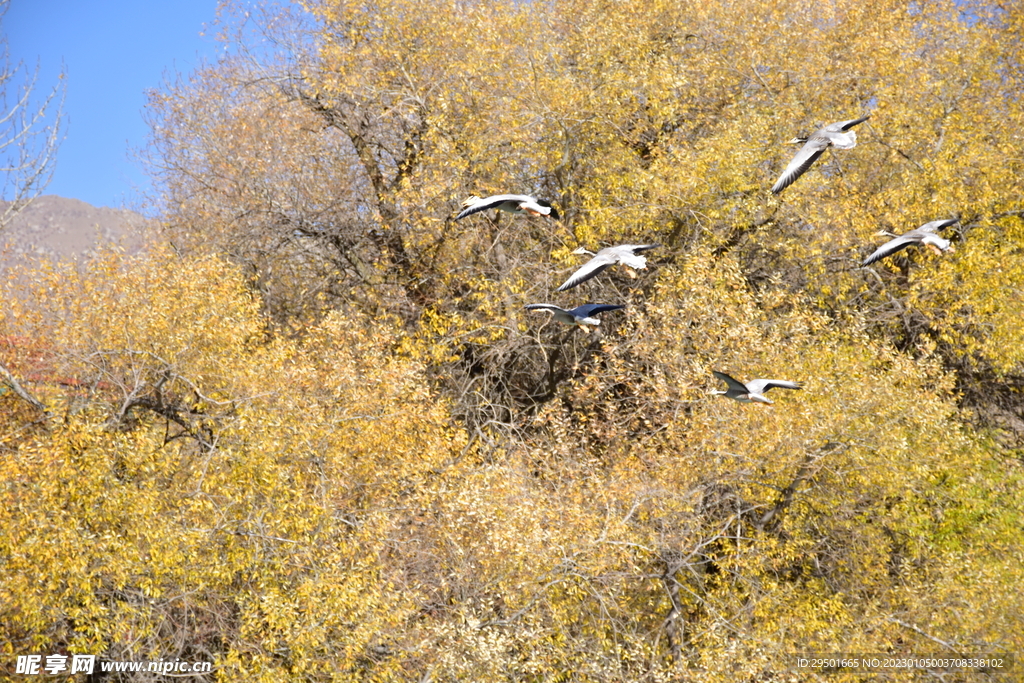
(312, 432)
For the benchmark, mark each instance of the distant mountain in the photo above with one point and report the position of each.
(58, 227)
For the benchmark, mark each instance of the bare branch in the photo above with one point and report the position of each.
(9, 380)
(773, 516)
(30, 132)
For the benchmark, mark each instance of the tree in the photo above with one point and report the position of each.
(168, 374)
(390, 471)
(30, 134)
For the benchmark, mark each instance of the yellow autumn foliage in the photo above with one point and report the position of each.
(321, 438)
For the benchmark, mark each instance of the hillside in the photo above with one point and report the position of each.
(59, 228)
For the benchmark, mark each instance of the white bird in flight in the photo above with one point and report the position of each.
(752, 391)
(626, 254)
(925, 235)
(833, 135)
(510, 203)
(581, 315)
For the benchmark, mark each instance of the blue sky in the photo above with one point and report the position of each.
(113, 52)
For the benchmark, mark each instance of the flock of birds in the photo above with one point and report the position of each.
(838, 135)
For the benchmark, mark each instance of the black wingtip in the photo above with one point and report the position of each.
(857, 122)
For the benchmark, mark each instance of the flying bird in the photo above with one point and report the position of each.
(835, 135)
(581, 315)
(511, 203)
(753, 390)
(626, 254)
(925, 235)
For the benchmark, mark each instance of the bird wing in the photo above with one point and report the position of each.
(492, 202)
(846, 125)
(759, 386)
(637, 248)
(807, 155)
(545, 307)
(587, 310)
(933, 226)
(587, 271)
(733, 383)
(892, 246)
